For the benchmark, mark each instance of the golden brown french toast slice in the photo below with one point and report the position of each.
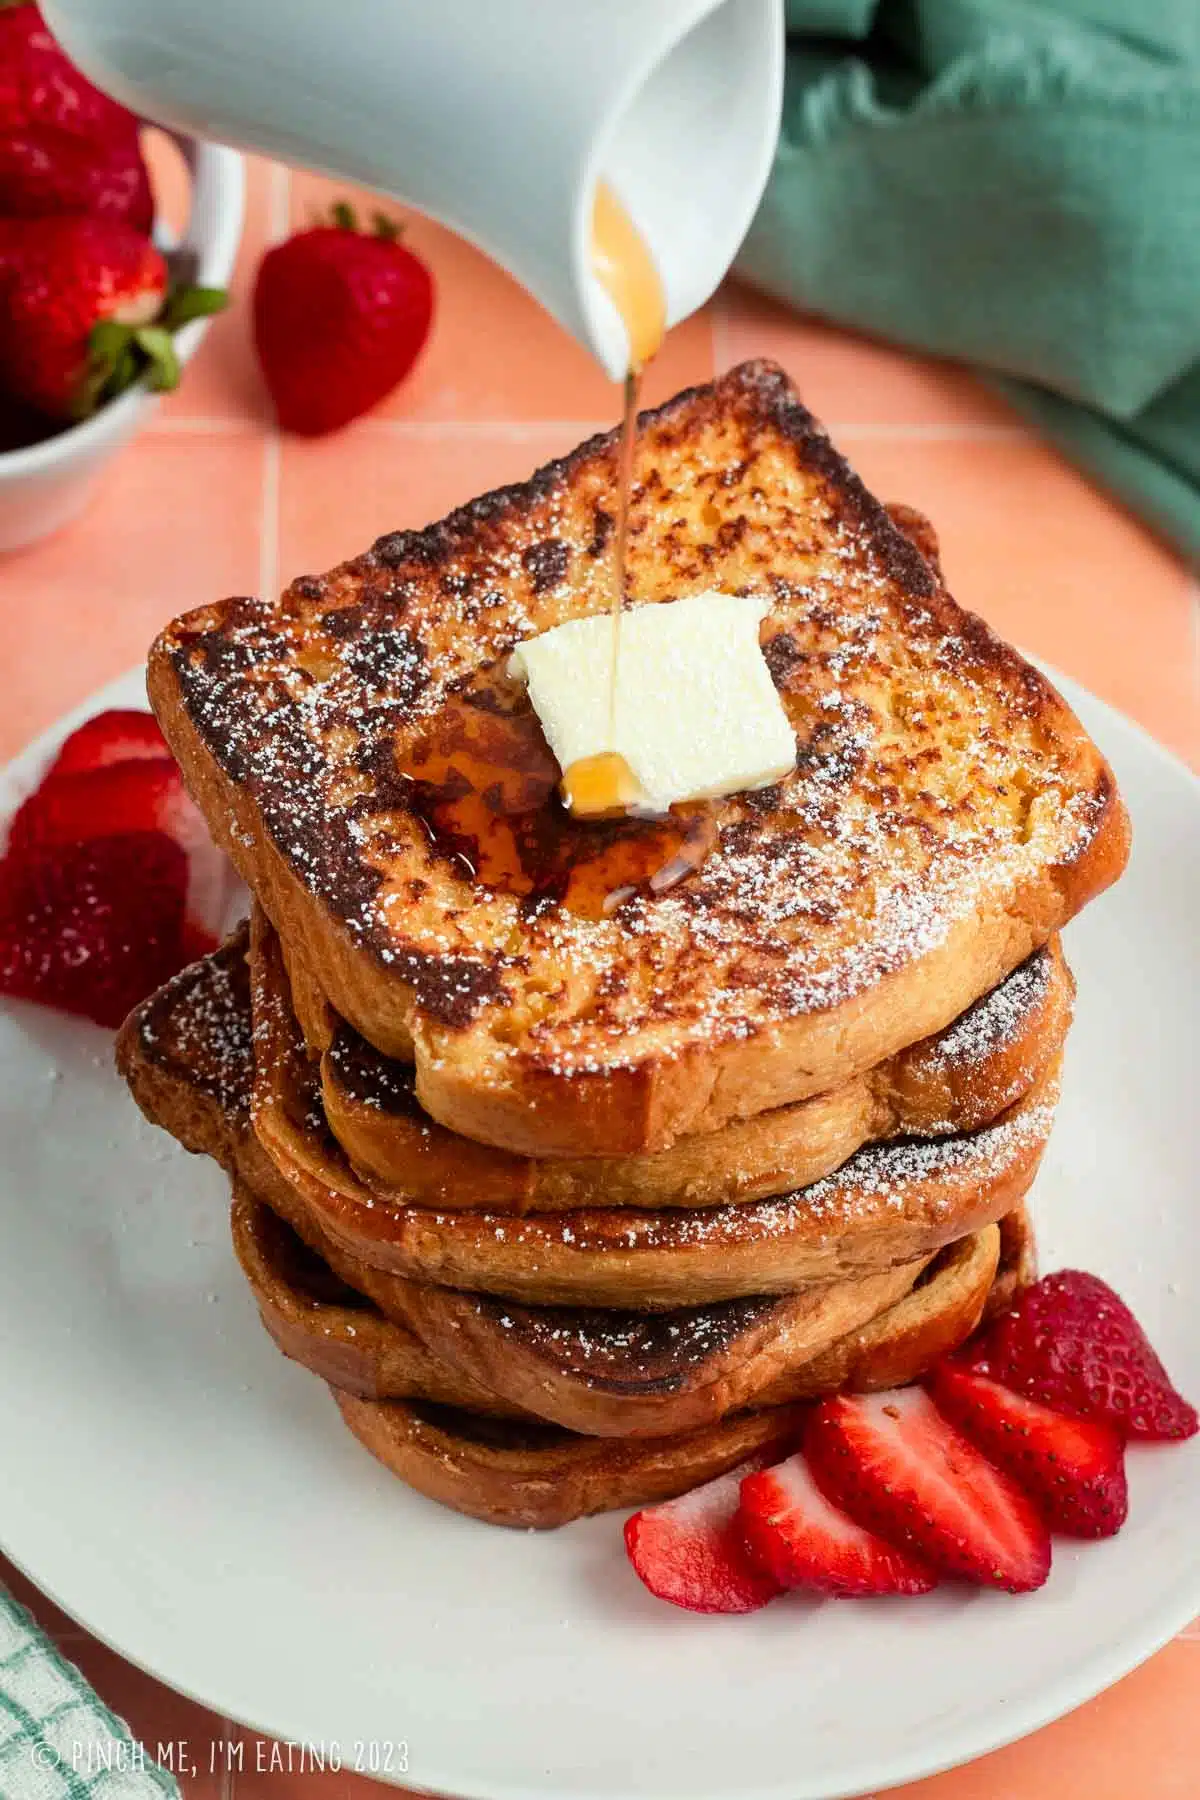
(888, 1205)
(600, 1373)
(615, 1372)
(957, 1080)
(882, 1209)
(340, 1335)
(947, 813)
(535, 1476)
(318, 1320)
(508, 1474)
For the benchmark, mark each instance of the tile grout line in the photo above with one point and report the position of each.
(279, 196)
(268, 522)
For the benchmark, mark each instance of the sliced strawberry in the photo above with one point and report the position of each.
(92, 928)
(793, 1531)
(144, 794)
(113, 736)
(902, 1471)
(1073, 1468)
(1073, 1344)
(690, 1551)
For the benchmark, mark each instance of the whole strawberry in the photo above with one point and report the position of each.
(60, 279)
(339, 318)
(45, 170)
(84, 313)
(40, 86)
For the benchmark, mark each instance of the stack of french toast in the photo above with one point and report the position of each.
(576, 1156)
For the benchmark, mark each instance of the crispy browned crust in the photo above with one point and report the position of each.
(320, 1322)
(958, 1080)
(603, 1373)
(538, 1476)
(342, 1337)
(888, 1205)
(443, 1432)
(944, 793)
(317, 1020)
(1018, 1261)
(507, 1474)
(186, 1052)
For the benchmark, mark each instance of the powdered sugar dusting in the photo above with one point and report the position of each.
(878, 1184)
(995, 1020)
(199, 1023)
(936, 776)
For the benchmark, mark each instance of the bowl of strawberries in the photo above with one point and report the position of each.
(100, 304)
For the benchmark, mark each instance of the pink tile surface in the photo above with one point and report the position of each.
(495, 354)
(851, 380)
(171, 524)
(210, 502)
(348, 490)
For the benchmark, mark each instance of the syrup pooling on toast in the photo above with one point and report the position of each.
(484, 785)
(605, 786)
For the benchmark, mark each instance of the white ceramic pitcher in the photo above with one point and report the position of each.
(496, 116)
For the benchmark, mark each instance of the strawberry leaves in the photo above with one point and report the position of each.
(121, 355)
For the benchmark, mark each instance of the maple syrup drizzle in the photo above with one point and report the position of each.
(485, 783)
(604, 785)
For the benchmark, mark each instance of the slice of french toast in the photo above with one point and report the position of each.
(946, 815)
(340, 1335)
(506, 1473)
(897, 1208)
(616, 1372)
(890, 1204)
(321, 1322)
(957, 1080)
(509, 1474)
(600, 1373)
(535, 1477)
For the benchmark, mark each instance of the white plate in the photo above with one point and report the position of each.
(193, 1498)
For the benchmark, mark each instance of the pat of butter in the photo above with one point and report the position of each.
(697, 714)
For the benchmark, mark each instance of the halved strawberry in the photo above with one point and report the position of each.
(92, 928)
(1073, 1344)
(143, 794)
(690, 1551)
(902, 1471)
(1073, 1468)
(110, 737)
(139, 794)
(792, 1530)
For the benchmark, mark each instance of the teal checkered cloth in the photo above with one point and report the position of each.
(58, 1741)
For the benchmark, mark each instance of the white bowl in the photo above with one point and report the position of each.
(45, 485)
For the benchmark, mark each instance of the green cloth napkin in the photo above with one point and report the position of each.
(1015, 183)
(58, 1741)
